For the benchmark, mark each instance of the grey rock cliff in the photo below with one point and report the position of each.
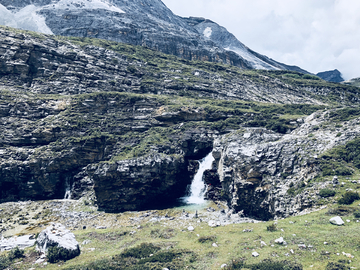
(257, 167)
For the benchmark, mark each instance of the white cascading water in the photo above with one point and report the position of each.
(67, 195)
(197, 189)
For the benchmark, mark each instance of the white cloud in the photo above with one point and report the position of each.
(316, 35)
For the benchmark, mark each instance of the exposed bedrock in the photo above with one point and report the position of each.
(257, 167)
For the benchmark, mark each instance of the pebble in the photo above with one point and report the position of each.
(191, 228)
(214, 245)
(223, 265)
(255, 254)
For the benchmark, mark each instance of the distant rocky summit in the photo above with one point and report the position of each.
(148, 23)
(331, 76)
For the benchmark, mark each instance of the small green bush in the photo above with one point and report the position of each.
(15, 253)
(265, 265)
(271, 265)
(56, 254)
(271, 228)
(4, 262)
(341, 210)
(357, 214)
(142, 251)
(204, 239)
(336, 266)
(349, 197)
(325, 193)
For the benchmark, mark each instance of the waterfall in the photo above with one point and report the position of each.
(67, 195)
(197, 188)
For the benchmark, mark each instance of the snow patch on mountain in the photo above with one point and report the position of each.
(29, 18)
(252, 59)
(26, 18)
(207, 32)
(85, 4)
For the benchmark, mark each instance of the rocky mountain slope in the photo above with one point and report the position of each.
(331, 76)
(147, 23)
(353, 82)
(81, 115)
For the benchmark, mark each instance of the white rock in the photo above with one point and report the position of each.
(214, 245)
(17, 241)
(213, 224)
(255, 254)
(337, 221)
(191, 228)
(57, 235)
(263, 243)
(39, 261)
(348, 221)
(279, 240)
(101, 227)
(85, 242)
(223, 265)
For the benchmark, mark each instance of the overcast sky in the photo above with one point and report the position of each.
(316, 35)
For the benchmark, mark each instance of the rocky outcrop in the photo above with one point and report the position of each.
(137, 184)
(331, 76)
(268, 175)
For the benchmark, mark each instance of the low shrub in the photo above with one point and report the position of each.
(56, 254)
(4, 262)
(272, 265)
(349, 197)
(265, 265)
(142, 251)
(204, 239)
(336, 266)
(341, 210)
(325, 193)
(15, 253)
(357, 214)
(271, 228)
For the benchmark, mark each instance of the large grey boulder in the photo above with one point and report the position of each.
(337, 221)
(58, 236)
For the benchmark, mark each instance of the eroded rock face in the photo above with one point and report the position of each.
(138, 183)
(257, 167)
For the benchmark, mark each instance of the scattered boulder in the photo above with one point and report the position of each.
(337, 221)
(58, 242)
(280, 241)
(213, 223)
(255, 254)
(191, 228)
